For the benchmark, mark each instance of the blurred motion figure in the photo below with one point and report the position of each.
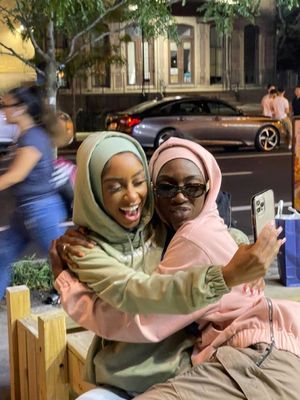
(39, 208)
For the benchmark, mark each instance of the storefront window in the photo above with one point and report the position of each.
(173, 63)
(131, 63)
(181, 56)
(140, 63)
(216, 56)
(100, 76)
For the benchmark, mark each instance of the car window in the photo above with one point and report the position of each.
(185, 108)
(219, 108)
(148, 106)
(139, 108)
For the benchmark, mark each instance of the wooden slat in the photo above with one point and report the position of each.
(78, 343)
(52, 360)
(23, 366)
(32, 360)
(18, 306)
(75, 375)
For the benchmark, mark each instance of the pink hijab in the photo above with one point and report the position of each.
(207, 232)
(203, 159)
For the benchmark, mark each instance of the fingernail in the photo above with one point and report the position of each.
(279, 229)
(283, 240)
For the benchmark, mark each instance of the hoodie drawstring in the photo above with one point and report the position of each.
(143, 246)
(131, 250)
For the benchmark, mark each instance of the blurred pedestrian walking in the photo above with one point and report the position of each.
(39, 208)
(282, 111)
(267, 100)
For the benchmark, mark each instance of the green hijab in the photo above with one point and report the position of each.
(89, 211)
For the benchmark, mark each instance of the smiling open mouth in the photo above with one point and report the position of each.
(131, 213)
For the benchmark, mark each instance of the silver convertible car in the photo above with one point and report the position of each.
(207, 121)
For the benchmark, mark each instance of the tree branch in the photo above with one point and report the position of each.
(35, 44)
(97, 39)
(23, 21)
(91, 26)
(13, 53)
(6, 11)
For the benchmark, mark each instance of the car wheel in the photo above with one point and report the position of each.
(164, 135)
(267, 138)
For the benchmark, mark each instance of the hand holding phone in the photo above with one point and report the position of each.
(263, 210)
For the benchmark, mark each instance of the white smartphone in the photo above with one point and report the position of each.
(262, 210)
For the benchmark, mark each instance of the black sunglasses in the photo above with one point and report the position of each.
(166, 190)
(10, 105)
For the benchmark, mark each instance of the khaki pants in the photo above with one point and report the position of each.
(251, 373)
(289, 130)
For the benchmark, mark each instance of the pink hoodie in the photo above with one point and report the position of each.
(238, 319)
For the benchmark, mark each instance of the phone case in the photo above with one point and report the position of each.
(263, 210)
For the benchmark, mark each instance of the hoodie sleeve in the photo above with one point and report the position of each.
(137, 292)
(83, 305)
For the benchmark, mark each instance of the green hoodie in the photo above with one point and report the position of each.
(119, 270)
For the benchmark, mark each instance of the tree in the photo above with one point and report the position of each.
(77, 21)
(288, 37)
(223, 14)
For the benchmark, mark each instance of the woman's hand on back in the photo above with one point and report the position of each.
(56, 262)
(67, 244)
(251, 262)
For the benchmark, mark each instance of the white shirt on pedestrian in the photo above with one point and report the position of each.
(281, 105)
(267, 105)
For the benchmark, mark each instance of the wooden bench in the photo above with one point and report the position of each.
(46, 351)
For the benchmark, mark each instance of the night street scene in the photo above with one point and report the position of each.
(150, 197)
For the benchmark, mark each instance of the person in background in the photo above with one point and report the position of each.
(282, 111)
(39, 209)
(266, 102)
(296, 102)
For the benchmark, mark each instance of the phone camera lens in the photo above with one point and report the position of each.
(258, 209)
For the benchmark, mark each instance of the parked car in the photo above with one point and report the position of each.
(205, 120)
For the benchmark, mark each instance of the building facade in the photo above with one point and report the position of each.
(200, 62)
(12, 70)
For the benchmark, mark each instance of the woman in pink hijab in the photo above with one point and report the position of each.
(182, 164)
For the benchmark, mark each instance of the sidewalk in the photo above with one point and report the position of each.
(273, 289)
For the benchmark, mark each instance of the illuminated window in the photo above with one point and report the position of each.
(140, 62)
(181, 56)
